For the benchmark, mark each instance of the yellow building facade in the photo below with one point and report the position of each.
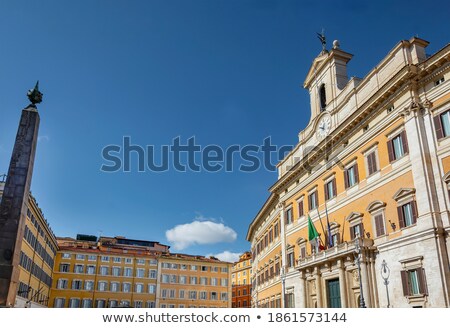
(241, 277)
(120, 272)
(108, 272)
(371, 170)
(189, 281)
(37, 254)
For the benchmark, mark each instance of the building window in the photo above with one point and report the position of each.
(151, 289)
(102, 286)
(151, 304)
(128, 272)
(193, 281)
(224, 282)
(88, 285)
(351, 176)
(138, 304)
(407, 214)
(330, 189)
(152, 274)
(192, 295)
(128, 260)
(126, 287)
(357, 231)
(62, 284)
(213, 281)
(74, 303)
(193, 268)
(372, 163)
(202, 295)
(442, 125)
(140, 261)
(92, 258)
(87, 303)
(104, 271)
(291, 259)
(323, 97)
(115, 287)
(59, 302)
(397, 146)
(105, 258)
(300, 208)
(116, 271)
(139, 288)
(79, 256)
(379, 225)
(140, 273)
(313, 200)
(76, 284)
(439, 81)
(414, 282)
(79, 268)
(66, 256)
(276, 231)
(224, 296)
(288, 216)
(117, 260)
(204, 268)
(64, 267)
(182, 279)
(90, 269)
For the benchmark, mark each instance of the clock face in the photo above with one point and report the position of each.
(324, 126)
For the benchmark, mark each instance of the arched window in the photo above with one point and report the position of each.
(323, 97)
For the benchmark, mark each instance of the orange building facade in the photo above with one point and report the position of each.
(372, 171)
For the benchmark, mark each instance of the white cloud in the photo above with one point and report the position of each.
(43, 138)
(199, 232)
(227, 256)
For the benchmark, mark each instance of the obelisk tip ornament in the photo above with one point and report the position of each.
(34, 95)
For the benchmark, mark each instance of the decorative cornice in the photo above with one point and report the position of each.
(403, 192)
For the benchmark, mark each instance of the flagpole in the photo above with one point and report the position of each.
(323, 229)
(328, 228)
(342, 235)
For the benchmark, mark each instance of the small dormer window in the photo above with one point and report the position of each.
(323, 97)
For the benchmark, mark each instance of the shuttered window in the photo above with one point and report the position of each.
(330, 189)
(288, 216)
(407, 214)
(414, 282)
(379, 225)
(398, 147)
(351, 176)
(357, 230)
(313, 200)
(442, 125)
(372, 165)
(300, 208)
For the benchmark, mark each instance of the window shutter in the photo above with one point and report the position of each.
(379, 226)
(414, 211)
(390, 151)
(326, 191)
(369, 164)
(401, 219)
(334, 187)
(346, 178)
(361, 229)
(423, 289)
(352, 233)
(303, 252)
(438, 127)
(405, 142)
(316, 195)
(356, 173)
(405, 283)
(300, 208)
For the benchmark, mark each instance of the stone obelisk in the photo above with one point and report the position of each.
(13, 207)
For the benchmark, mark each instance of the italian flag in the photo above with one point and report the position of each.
(313, 236)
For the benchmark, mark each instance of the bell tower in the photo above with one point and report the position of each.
(327, 77)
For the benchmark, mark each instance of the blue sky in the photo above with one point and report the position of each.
(225, 71)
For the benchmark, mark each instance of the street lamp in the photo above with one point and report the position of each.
(385, 273)
(362, 304)
(283, 286)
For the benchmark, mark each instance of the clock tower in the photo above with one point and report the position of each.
(326, 78)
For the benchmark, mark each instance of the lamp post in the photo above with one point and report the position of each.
(362, 304)
(283, 287)
(385, 273)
